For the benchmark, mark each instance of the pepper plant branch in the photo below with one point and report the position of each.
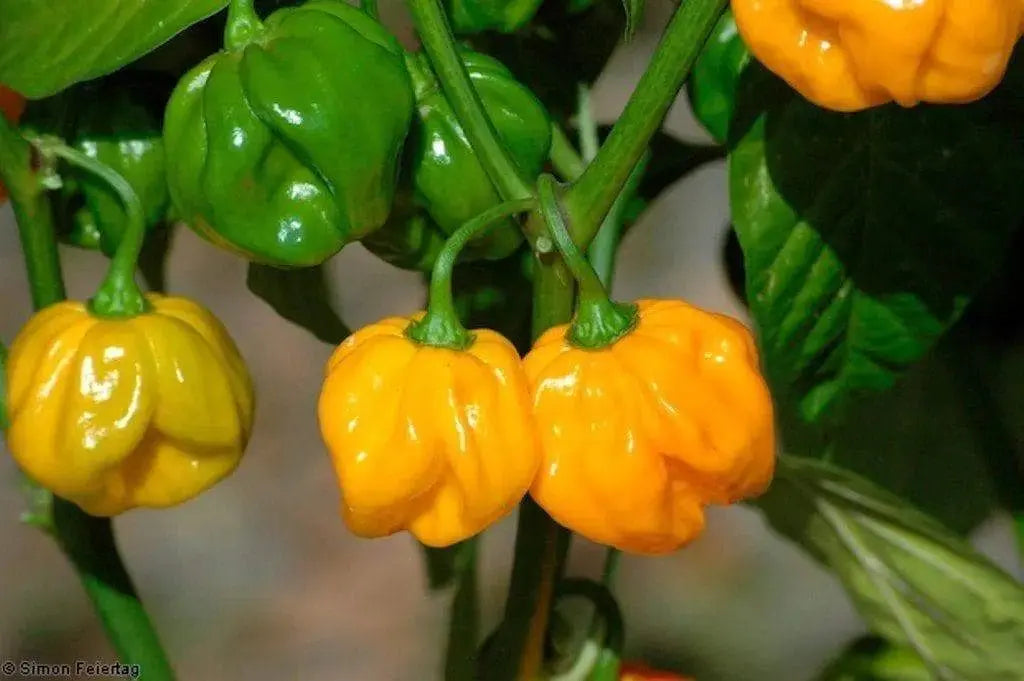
(592, 196)
(440, 47)
(88, 542)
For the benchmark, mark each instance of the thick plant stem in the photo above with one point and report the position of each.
(464, 623)
(87, 541)
(592, 196)
(439, 45)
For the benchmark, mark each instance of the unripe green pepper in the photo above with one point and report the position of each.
(284, 146)
(712, 86)
(449, 182)
(117, 123)
(473, 16)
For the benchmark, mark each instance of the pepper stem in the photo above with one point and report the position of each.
(440, 326)
(243, 24)
(118, 295)
(599, 321)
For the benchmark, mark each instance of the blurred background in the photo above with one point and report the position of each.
(259, 579)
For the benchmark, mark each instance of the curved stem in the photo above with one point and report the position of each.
(243, 24)
(591, 197)
(441, 327)
(599, 321)
(563, 156)
(118, 295)
(88, 542)
(439, 44)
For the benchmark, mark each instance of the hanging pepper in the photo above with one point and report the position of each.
(856, 54)
(646, 413)
(428, 424)
(128, 400)
(449, 182)
(474, 16)
(284, 147)
(11, 106)
(115, 123)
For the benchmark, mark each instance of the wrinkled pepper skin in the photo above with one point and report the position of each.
(113, 414)
(11, 106)
(855, 54)
(639, 672)
(449, 181)
(286, 149)
(435, 441)
(114, 124)
(506, 16)
(637, 437)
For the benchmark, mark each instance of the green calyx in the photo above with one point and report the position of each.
(440, 326)
(118, 295)
(599, 321)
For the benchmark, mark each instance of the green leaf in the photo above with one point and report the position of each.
(916, 583)
(47, 45)
(865, 234)
(634, 14)
(874, 659)
(716, 76)
(300, 296)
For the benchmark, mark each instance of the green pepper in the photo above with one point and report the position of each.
(284, 146)
(448, 180)
(473, 16)
(118, 123)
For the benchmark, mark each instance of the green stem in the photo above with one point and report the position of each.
(599, 321)
(439, 44)
(592, 196)
(243, 25)
(119, 295)
(464, 622)
(564, 158)
(440, 326)
(88, 542)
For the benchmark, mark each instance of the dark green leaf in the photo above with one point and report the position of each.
(300, 296)
(716, 76)
(865, 234)
(560, 49)
(873, 659)
(47, 45)
(916, 583)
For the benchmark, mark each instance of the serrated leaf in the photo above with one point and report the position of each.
(716, 75)
(916, 583)
(301, 296)
(47, 45)
(865, 234)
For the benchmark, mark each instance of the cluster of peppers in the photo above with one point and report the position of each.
(622, 425)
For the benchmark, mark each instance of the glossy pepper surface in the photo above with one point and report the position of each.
(473, 16)
(11, 106)
(117, 125)
(436, 441)
(284, 147)
(115, 413)
(855, 54)
(638, 436)
(449, 182)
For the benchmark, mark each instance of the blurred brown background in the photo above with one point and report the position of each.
(259, 580)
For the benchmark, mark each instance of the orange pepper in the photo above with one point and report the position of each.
(854, 54)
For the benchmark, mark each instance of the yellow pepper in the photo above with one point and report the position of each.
(428, 425)
(638, 436)
(116, 413)
(853, 54)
